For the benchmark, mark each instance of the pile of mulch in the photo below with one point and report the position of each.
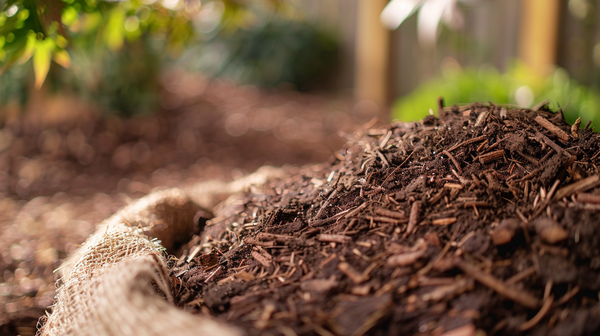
(482, 221)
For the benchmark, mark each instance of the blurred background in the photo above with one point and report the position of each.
(119, 57)
(102, 102)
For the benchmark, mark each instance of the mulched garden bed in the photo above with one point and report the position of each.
(482, 221)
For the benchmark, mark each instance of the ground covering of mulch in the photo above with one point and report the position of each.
(483, 221)
(60, 178)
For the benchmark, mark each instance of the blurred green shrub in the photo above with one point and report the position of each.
(276, 51)
(518, 86)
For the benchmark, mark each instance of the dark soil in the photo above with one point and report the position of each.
(484, 221)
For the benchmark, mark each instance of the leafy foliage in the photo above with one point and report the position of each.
(115, 51)
(518, 86)
(44, 29)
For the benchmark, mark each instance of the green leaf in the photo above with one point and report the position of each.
(114, 30)
(41, 61)
(62, 57)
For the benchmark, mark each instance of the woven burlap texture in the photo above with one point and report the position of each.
(118, 284)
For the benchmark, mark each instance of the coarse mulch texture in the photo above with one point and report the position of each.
(61, 177)
(483, 221)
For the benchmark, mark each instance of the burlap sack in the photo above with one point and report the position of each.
(117, 283)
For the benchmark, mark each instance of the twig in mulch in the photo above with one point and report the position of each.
(467, 142)
(325, 204)
(583, 185)
(214, 274)
(481, 146)
(533, 173)
(383, 159)
(540, 105)
(325, 221)
(538, 317)
(519, 296)
(453, 161)
(562, 135)
(355, 211)
(256, 242)
(438, 196)
(384, 140)
(552, 144)
(397, 168)
(568, 296)
(547, 199)
(496, 144)
(520, 276)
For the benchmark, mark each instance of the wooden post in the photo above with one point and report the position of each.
(539, 34)
(372, 53)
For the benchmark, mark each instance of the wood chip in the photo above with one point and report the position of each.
(582, 185)
(318, 285)
(243, 275)
(404, 259)
(444, 221)
(552, 144)
(575, 128)
(413, 218)
(492, 156)
(265, 261)
(562, 135)
(550, 230)
(389, 213)
(588, 198)
(480, 119)
(361, 290)
(334, 238)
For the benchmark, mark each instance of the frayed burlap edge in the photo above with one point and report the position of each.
(117, 283)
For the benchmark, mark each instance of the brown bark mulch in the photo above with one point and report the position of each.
(482, 221)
